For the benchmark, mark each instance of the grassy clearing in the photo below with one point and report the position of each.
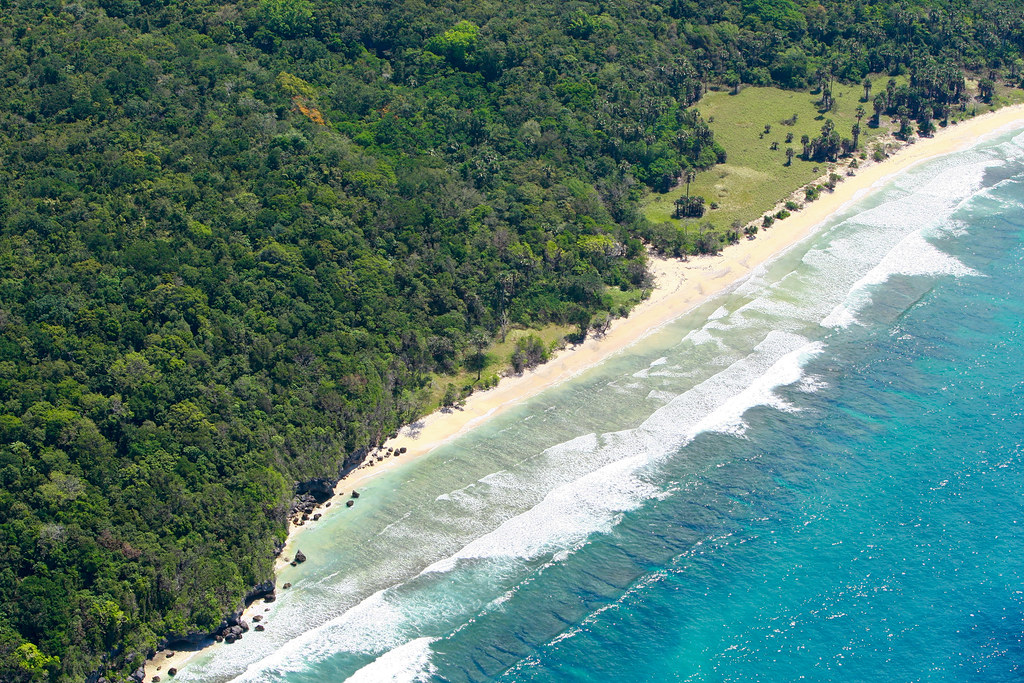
(755, 177)
(498, 356)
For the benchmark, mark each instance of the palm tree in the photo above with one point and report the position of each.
(478, 361)
(867, 88)
(805, 140)
(859, 113)
(790, 153)
(690, 176)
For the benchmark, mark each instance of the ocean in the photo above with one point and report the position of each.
(815, 476)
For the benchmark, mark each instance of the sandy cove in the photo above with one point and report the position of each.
(679, 286)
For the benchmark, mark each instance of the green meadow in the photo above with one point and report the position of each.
(755, 177)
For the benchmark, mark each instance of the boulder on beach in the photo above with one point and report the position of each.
(327, 504)
(349, 503)
(243, 625)
(155, 679)
(299, 557)
(172, 672)
(287, 585)
(139, 675)
(270, 598)
(355, 494)
(258, 618)
(259, 627)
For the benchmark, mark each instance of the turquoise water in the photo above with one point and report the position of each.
(816, 476)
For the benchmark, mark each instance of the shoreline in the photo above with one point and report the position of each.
(679, 287)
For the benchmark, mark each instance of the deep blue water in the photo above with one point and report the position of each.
(816, 477)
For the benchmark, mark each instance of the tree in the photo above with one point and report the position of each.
(866, 83)
(286, 18)
(790, 153)
(856, 135)
(879, 104)
(732, 80)
(986, 88)
(478, 359)
(689, 175)
(451, 395)
(600, 324)
(805, 140)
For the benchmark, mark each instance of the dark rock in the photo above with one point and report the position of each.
(349, 503)
(305, 516)
(259, 627)
(270, 598)
(299, 557)
(327, 504)
(243, 625)
(139, 674)
(320, 489)
(170, 654)
(260, 590)
(230, 638)
(317, 516)
(155, 679)
(294, 563)
(403, 449)
(355, 494)
(218, 638)
(172, 672)
(258, 618)
(287, 585)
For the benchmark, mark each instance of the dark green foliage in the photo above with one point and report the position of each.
(236, 241)
(530, 352)
(689, 207)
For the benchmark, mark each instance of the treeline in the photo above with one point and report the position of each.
(237, 241)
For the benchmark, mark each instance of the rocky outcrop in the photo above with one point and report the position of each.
(260, 590)
(319, 489)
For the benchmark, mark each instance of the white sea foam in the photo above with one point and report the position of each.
(564, 519)
(912, 256)
(408, 663)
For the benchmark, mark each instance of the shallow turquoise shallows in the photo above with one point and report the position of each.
(817, 476)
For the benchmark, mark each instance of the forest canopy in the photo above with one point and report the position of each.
(238, 240)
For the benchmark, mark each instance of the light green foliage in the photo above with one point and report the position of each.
(286, 18)
(457, 44)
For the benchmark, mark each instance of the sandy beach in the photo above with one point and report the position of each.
(679, 287)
